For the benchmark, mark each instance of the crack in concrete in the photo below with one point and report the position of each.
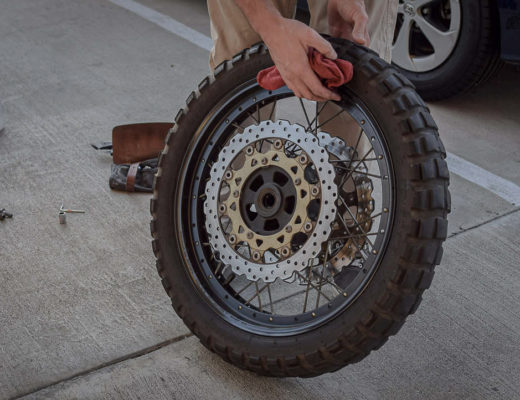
(484, 223)
(110, 363)
(177, 339)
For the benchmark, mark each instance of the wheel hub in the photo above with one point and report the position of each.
(270, 201)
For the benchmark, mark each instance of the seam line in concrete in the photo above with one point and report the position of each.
(507, 214)
(118, 360)
(166, 22)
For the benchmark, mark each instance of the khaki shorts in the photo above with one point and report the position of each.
(231, 32)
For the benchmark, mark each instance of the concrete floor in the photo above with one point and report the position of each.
(82, 311)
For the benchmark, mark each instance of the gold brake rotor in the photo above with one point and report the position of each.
(254, 159)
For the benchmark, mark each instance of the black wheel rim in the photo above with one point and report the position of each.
(199, 259)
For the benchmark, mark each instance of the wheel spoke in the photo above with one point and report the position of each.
(360, 172)
(238, 126)
(258, 295)
(308, 287)
(355, 236)
(347, 229)
(258, 112)
(244, 288)
(273, 110)
(315, 120)
(355, 148)
(357, 165)
(330, 119)
(253, 117)
(357, 223)
(217, 270)
(321, 276)
(304, 111)
(270, 297)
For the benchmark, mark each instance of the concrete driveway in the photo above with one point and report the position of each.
(82, 311)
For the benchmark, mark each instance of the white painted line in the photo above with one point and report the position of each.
(501, 187)
(167, 23)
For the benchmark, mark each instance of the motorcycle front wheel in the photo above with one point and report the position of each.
(290, 247)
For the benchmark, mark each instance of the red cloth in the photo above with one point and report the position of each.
(333, 73)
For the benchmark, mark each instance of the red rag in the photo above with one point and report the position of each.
(333, 73)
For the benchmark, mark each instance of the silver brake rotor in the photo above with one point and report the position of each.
(281, 263)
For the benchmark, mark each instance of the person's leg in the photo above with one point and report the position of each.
(382, 15)
(230, 30)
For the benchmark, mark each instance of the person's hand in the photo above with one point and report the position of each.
(289, 42)
(348, 19)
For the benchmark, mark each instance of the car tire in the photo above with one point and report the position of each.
(475, 57)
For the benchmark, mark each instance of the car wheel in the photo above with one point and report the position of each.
(446, 47)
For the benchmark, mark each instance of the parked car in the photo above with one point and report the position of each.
(446, 47)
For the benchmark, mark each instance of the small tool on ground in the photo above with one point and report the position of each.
(4, 214)
(64, 211)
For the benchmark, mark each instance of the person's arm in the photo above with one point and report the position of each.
(288, 42)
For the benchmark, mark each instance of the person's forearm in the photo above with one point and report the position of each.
(261, 14)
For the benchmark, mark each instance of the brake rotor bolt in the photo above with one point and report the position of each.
(315, 190)
(264, 161)
(285, 251)
(288, 229)
(236, 193)
(229, 174)
(297, 181)
(256, 256)
(232, 239)
(307, 227)
(250, 235)
(278, 144)
(249, 150)
(222, 208)
(303, 159)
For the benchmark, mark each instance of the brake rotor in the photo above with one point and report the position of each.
(359, 201)
(270, 201)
